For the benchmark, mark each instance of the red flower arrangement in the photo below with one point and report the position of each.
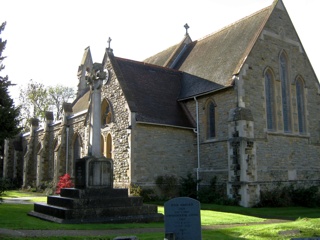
(64, 182)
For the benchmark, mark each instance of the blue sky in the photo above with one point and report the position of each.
(46, 39)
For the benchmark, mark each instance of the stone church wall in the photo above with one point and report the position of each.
(118, 128)
(282, 157)
(161, 150)
(214, 151)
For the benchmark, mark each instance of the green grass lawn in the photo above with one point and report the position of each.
(26, 195)
(304, 220)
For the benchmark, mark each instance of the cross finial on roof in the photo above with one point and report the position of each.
(109, 41)
(186, 26)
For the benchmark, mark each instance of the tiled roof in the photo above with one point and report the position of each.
(154, 91)
(161, 58)
(192, 86)
(81, 103)
(217, 57)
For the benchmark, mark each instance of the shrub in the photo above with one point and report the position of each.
(4, 185)
(147, 194)
(168, 186)
(64, 182)
(276, 197)
(188, 186)
(135, 190)
(306, 197)
(214, 193)
(286, 196)
(209, 194)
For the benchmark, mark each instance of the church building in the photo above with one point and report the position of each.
(241, 104)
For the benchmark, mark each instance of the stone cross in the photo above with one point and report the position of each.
(95, 77)
(186, 26)
(109, 41)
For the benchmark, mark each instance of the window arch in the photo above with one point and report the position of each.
(109, 146)
(106, 146)
(270, 100)
(285, 92)
(102, 145)
(106, 113)
(211, 119)
(301, 105)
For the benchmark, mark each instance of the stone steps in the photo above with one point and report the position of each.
(97, 202)
(95, 205)
(93, 192)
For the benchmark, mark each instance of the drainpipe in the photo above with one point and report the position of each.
(67, 149)
(198, 142)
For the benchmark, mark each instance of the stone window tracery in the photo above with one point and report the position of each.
(301, 105)
(211, 120)
(285, 92)
(270, 100)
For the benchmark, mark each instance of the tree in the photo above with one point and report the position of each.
(58, 95)
(34, 102)
(36, 99)
(9, 114)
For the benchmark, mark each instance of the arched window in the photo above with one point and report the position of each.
(301, 105)
(285, 93)
(270, 100)
(109, 146)
(106, 113)
(211, 120)
(102, 145)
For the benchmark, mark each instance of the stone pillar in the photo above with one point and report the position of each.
(67, 111)
(95, 77)
(29, 166)
(242, 158)
(95, 131)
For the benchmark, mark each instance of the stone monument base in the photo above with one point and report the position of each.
(102, 205)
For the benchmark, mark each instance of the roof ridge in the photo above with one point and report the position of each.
(149, 64)
(236, 22)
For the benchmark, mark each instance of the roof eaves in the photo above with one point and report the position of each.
(165, 125)
(204, 93)
(254, 39)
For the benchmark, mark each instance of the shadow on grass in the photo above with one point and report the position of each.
(284, 213)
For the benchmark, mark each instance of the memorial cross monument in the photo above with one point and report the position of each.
(94, 170)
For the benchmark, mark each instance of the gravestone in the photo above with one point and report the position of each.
(80, 173)
(182, 219)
